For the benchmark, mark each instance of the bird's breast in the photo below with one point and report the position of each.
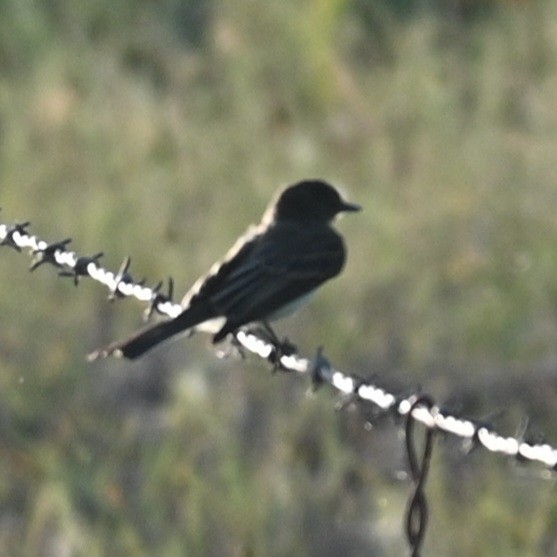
(291, 307)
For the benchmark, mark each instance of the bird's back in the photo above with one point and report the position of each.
(273, 268)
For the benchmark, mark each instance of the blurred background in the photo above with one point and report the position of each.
(160, 130)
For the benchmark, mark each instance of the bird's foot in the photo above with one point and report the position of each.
(281, 348)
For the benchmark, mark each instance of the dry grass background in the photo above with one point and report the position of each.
(160, 130)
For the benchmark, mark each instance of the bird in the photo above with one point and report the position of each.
(268, 273)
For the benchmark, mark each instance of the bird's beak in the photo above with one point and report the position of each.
(350, 207)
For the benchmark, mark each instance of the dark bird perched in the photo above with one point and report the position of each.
(271, 270)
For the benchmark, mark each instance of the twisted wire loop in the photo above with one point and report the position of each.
(417, 510)
(122, 285)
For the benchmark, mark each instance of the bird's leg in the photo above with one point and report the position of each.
(281, 347)
(237, 347)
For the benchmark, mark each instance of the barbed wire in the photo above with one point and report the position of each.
(414, 408)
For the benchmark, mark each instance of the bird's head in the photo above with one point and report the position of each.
(311, 200)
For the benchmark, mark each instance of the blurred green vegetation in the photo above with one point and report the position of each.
(160, 129)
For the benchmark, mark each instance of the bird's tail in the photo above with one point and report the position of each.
(150, 337)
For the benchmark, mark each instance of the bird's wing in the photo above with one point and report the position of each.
(205, 287)
(286, 264)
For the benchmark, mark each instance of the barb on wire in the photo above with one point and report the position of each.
(476, 433)
(159, 298)
(46, 254)
(122, 277)
(10, 231)
(80, 269)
